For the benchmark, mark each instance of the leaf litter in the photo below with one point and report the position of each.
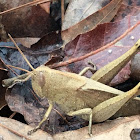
(24, 102)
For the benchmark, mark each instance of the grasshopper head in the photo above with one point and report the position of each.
(39, 80)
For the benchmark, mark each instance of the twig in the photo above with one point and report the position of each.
(18, 68)
(12, 115)
(11, 130)
(25, 5)
(62, 11)
(35, 96)
(9, 47)
(96, 51)
(8, 67)
(61, 116)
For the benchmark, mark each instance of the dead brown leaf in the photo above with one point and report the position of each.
(102, 16)
(135, 134)
(2, 90)
(26, 22)
(130, 8)
(13, 130)
(79, 9)
(46, 7)
(135, 67)
(27, 42)
(87, 47)
(21, 99)
(118, 129)
(3, 75)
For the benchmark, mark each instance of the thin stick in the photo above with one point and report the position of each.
(15, 132)
(62, 11)
(21, 52)
(8, 67)
(12, 115)
(61, 116)
(25, 5)
(33, 93)
(9, 47)
(19, 68)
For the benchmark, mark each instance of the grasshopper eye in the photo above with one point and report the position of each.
(41, 79)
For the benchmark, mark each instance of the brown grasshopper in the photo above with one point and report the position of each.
(76, 94)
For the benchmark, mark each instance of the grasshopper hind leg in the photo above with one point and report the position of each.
(85, 111)
(43, 120)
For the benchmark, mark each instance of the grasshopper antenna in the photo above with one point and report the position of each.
(19, 68)
(21, 52)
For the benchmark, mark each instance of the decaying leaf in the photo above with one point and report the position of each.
(46, 7)
(13, 130)
(22, 99)
(78, 10)
(26, 22)
(3, 75)
(38, 54)
(135, 134)
(27, 42)
(101, 59)
(87, 47)
(102, 16)
(127, 8)
(2, 96)
(135, 67)
(118, 129)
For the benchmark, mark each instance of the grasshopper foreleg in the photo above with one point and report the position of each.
(15, 81)
(22, 80)
(44, 118)
(85, 111)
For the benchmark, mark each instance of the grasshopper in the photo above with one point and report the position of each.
(76, 94)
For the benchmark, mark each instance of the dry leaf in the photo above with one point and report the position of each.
(27, 42)
(127, 8)
(13, 130)
(46, 7)
(92, 46)
(135, 67)
(114, 130)
(78, 10)
(26, 22)
(118, 129)
(102, 16)
(3, 75)
(135, 134)
(3, 90)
